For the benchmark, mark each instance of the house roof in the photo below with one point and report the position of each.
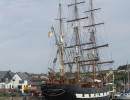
(12, 74)
(5, 74)
(23, 76)
(2, 74)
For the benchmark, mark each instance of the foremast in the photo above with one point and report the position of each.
(61, 43)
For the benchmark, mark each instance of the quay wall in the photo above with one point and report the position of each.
(22, 98)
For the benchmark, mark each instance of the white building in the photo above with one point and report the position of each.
(5, 80)
(20, 80)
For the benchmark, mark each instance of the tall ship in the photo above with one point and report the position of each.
(77, 67)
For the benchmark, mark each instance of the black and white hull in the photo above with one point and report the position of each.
(72, 92)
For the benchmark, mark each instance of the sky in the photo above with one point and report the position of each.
(24, 26)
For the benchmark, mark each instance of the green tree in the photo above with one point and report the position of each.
(123, 67)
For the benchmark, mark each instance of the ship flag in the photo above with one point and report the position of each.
(50, 32)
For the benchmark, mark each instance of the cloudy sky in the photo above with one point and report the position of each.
(24, 26)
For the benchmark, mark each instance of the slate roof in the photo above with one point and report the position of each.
(23, 76)
(4, 74)
(12, 74)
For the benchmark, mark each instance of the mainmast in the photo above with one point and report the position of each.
(93, 39)
(77, 45)
(61, 42)
(77, 41)
(92, 20)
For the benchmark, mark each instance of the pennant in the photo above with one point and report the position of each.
(50, 32)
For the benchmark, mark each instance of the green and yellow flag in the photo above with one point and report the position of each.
(50, 32)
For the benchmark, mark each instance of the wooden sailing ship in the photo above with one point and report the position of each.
(79, 54)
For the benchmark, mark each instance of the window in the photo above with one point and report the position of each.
(2, 80)
(10, 86)
(89, 95)
(6, 80)
(20, 86)
(21, 82)
(3, 86)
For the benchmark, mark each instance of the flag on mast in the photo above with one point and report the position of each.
(50, 32)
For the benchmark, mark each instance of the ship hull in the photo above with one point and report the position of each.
(72, 92)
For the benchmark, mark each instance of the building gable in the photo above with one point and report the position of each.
(16, 77)
(4, 75)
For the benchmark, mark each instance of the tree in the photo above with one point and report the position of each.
(123, 67)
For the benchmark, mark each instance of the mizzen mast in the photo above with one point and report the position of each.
(93, 50)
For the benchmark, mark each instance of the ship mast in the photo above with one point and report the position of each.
(93, 50)
(93, 59)
(77, 41)
(77, 44)
(93, 39)
(61, 43)
(92, 20)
